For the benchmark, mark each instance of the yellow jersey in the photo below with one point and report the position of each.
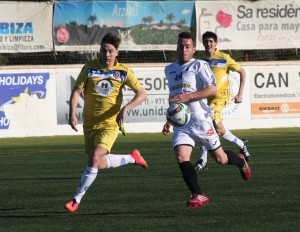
(103, 92)
(221, 63)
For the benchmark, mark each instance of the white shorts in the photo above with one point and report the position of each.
(202, 132)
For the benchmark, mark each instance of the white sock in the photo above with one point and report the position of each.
(114, 161)
(87, 178)
(233, 139)
(203, 153)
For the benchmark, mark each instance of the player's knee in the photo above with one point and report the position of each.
(220, 131)
(182, 158)
(98, 161)
(221, 159)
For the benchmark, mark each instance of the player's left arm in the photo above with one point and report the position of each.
(139, 97)
(236, 67)
(197, 95)
(239, 97)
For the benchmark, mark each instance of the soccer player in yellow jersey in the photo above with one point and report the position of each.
(221, 63)
(101, 81)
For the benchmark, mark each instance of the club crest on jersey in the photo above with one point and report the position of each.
(214, 62)
(104, 87)
(117, 75)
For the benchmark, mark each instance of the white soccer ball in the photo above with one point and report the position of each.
(178, 114)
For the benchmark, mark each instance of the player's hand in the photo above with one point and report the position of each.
(73, 122)
(180, 98)
(121, 116)
(238, 99)
(166, 128)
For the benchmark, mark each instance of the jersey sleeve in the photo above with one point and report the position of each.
(132, 81)
(232, 64)
(206, 74)
(82, 77)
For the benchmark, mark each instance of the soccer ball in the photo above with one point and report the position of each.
(178, 114)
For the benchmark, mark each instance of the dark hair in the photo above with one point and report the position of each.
(210, 34)
(112, 39)
(186, 35)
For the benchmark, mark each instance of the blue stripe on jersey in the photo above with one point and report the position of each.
(216, 62)
(119, 75)
(190, 64)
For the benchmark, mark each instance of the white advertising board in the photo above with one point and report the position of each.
(244, 25)
(26, 27)
(275, 91)
(35, 101)
(26, 99)
(153, 109)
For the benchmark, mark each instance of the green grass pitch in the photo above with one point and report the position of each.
(39, 175)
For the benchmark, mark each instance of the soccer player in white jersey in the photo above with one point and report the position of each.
(102, 81)
(191, 81)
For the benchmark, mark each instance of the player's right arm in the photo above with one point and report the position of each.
(72, 107)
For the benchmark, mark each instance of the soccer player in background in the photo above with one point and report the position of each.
(102, 81)
(191, 81)
(221, 63)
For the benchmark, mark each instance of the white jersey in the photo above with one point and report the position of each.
(190, 77)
